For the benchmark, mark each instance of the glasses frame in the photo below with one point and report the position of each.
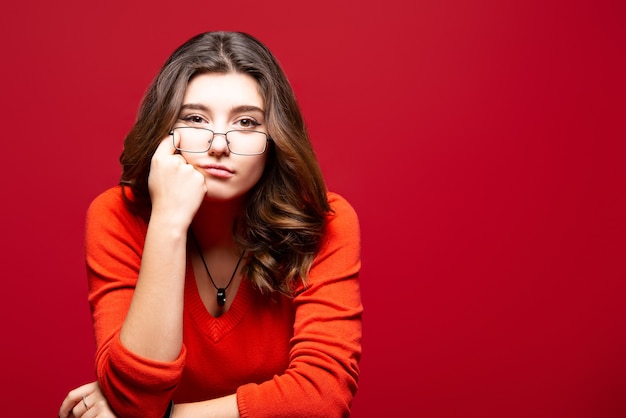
(267, 139)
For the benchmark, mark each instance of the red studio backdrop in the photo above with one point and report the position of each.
(481, 143)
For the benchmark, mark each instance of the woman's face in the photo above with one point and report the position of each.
(223, 103)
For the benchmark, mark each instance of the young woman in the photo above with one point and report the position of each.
(223, 276)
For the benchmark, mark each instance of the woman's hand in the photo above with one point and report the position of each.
(86, 401)
(176, 188)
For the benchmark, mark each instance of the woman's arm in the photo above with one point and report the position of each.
(89, 397)
(225, 407)
(321, 379)
(136, 275)
(153, 325)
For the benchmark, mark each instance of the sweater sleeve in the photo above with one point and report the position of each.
(134, 386)
(322, 375)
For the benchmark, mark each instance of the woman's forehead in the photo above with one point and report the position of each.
(223, 91)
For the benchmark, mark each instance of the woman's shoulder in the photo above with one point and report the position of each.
(342, 218)
(114, 201)
(110, 213)
(340, 207)
(110, 198)
(340, 247)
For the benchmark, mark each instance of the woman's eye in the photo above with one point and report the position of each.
(194, 119)
(248, 123)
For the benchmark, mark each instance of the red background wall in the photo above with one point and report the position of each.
(481, 142)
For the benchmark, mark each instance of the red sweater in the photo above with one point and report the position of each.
(282, 357)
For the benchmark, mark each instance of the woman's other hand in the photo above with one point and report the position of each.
(86, 401)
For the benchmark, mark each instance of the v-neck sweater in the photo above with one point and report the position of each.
(282, 357)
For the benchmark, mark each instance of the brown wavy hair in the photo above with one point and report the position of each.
(282, 223)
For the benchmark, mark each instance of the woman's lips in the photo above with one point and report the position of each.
(218, 170)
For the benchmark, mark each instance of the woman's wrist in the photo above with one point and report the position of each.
(173, 225)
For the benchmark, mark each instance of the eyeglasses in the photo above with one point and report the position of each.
(240, 142)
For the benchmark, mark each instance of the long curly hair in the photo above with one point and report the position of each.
(282, 224)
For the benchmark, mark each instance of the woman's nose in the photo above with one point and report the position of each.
(219, 144)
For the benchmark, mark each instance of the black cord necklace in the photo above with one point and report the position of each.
(221, 291)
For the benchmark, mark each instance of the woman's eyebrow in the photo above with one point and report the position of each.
(194, 106)
(247, 108)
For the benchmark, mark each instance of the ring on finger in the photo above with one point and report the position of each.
(85, 402)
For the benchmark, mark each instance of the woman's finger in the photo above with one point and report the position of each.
(81, 407)
(74, 398)
(166, 147)
(99, 410)
(96, 406)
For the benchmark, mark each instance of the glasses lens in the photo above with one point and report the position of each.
(188, 139)
(247, 142)
(192, 139)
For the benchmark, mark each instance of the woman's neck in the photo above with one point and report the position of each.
(213, 224)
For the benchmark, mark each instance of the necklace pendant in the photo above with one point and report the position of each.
(221, 296)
